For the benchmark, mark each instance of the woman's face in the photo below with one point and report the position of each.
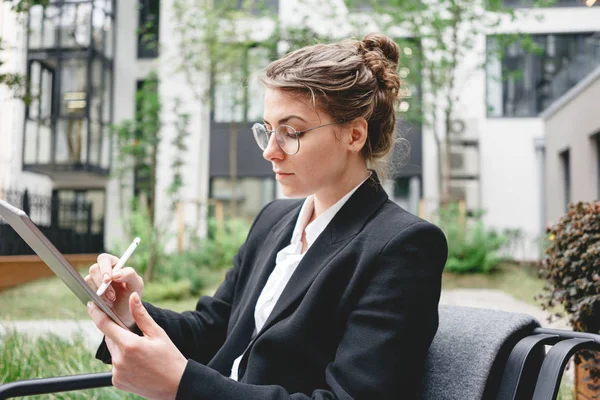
(320, 163)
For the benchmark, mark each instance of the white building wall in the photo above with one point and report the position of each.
(510, 176)
(173, 85)
(12, 110)
(124, 109)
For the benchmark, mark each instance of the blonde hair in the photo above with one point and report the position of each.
(350, 79)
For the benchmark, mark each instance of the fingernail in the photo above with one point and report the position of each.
(89, 304)
(116, 275)
(106, 277)
(136, 299)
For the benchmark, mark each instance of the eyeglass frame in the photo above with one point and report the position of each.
(296, 133)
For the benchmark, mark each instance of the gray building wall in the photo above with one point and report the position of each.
(572, 124)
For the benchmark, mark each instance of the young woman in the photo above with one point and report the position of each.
(333, 296)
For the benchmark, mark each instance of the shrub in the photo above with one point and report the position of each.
(571, 269)
(472, 248)
(169, 290)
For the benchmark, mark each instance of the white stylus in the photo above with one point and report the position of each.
(120, 264)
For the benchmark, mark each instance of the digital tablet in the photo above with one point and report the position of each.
(30, 233)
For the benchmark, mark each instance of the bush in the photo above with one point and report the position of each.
(571, 269)
(181, 275)
(472, 248)
(169, 290)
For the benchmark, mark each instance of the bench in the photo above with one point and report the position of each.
(476, 354)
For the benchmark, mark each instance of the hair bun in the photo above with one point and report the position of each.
(381, 56)
(382, 43)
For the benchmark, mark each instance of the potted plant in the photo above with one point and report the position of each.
(571, 269)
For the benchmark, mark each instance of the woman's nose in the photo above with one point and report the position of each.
(273, 151)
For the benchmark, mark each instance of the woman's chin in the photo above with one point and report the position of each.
(292, 191)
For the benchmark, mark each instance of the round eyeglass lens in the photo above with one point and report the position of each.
(287, 138)
(261, 136)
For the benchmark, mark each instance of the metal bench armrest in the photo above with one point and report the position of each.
(52, 385)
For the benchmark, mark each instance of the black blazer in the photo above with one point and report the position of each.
(354, 322)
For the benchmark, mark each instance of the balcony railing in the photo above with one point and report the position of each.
(69, 225)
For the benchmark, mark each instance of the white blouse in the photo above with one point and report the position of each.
(288, 259)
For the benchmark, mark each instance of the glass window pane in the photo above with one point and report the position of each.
(98, 28)
(34, 81)
(108, 39)
(36, 14)
(45, 144)
(494, 81)
(258, 59)
(229, 92)
(251, 194)
(75, 25)
(148, 28)
(96, 90)
(95, 135)
(71, 141)
(107, 101)
(46, 95)
(106, 140)
(50, 23)
(30, 144)
(73, 90)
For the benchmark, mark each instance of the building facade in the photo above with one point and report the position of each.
(85, 61)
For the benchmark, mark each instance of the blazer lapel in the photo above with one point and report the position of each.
(348, 222)
(242, 332)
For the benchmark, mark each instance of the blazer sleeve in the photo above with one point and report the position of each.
(383, 348)
(200, 333)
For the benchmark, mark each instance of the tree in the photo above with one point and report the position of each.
(15, 82)
(446, 33)
(439, 34)
(218, 39)
(138, 141)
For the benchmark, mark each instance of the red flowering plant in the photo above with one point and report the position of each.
(571, 269)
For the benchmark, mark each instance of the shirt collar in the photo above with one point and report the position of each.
(316, 227)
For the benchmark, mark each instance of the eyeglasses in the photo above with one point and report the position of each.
(286, 137)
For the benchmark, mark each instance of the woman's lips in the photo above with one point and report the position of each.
(280, 175)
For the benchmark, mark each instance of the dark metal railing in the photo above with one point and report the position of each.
(69, 225)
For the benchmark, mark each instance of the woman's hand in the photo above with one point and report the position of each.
(150, 365)
(124, 283)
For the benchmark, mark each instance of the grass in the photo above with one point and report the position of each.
(49, 298)
(32, 300)
(24, 358)
(520, 281)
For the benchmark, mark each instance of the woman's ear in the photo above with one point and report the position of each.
(358, 134)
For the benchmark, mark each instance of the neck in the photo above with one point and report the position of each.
(328, 197)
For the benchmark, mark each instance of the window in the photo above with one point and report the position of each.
(250, 195)
(238, 96)
(565, 161)
(523, 83)
(38, 116)
(148, 28)
(142, 170)
(70, 75)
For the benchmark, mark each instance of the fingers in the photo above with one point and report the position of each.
(108, 327)
(106, 262)
(143, 320)
(131, 278)
(94, 280)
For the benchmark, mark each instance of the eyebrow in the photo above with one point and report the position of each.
(286, 119)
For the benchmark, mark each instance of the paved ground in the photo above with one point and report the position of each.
(498, 300)
(484, 298)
